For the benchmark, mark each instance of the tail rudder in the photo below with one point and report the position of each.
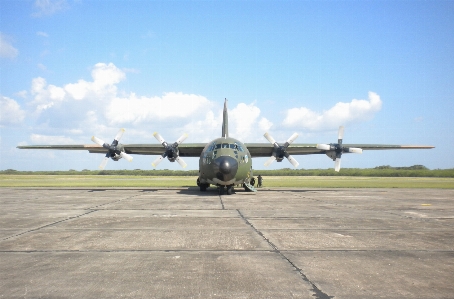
(225, 121)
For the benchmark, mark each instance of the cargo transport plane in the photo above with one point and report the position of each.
(225, 162)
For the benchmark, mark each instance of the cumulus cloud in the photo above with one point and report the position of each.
(10, 111)
(105, 76)
(340, 114)
(245, 120)
(6, 48)
(171, 105)
(96, 107)
(245, 123)
(45, 96)
(210, 126)
(49, 7)
(45, 139)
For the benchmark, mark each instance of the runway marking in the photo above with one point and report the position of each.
(318, 294)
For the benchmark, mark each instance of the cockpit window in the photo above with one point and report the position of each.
(218, 145)
(232, 146)
(225, 145)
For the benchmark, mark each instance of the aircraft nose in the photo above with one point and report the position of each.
(225, 168)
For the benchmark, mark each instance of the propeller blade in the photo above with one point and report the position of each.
(119, 134)
(337, 164)
(157, 161)
(126, 156)
(325, 147)
(181, 162)
(97, 140)
(293, 161)
(292, 138)
(340, 134)
(159, 137)
(103, 163)
(270, 160)
(182, 138)
(355, 150)
(269, 138)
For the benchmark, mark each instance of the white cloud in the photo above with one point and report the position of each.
(204, 130)
(171, 105)
(49, 7)
(46, 96)
(103, 87)
(42, 67)
(339, 114)
(105, 76)
(96, 107)
(41, 33)
(10, 111)
(6, 49)
(46, 139)
(245, 121)
(23, 94)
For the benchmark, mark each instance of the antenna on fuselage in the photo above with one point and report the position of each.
(225, 121)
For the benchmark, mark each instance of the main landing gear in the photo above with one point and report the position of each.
(203, 187)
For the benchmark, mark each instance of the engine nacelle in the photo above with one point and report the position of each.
(115, 156)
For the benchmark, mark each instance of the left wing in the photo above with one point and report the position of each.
(186, 150)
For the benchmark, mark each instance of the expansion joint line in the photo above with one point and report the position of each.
(112, 202)
(318, 293)
(47, 225)
(222, 203)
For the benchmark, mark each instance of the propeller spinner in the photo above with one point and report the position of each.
(335, 150)
(171, 151)
(113, 150)
(280, 151)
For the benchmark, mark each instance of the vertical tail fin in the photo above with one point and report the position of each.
(225, 121)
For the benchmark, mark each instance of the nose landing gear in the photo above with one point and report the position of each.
(228, 189)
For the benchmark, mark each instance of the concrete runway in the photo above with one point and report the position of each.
(181, 243)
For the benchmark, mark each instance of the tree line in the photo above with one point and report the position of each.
(379, 171)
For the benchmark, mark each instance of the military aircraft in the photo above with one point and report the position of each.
(225, 162)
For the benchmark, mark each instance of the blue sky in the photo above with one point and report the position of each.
(73, 69)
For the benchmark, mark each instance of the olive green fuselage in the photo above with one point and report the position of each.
(225, 161)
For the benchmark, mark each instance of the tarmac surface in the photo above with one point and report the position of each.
(182, 243)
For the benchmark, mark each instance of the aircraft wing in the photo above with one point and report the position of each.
(266, 149)
(186, 150)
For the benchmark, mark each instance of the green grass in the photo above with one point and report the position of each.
(358, 182)
(187, 181)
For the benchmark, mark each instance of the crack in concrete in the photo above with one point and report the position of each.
(318, 294)
(222, 203)
(91, 210)
(50, 224)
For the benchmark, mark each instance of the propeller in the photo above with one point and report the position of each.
(335, 150)
(280, 151)
(171, 151)
(113, 150)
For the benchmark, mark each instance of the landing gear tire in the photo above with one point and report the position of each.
(230, 190)
(221, 190)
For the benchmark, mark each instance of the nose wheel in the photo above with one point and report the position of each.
(226, 189)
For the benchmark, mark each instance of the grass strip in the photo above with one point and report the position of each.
(190, 181)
